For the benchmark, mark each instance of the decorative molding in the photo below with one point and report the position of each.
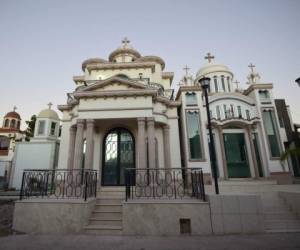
(187, 88)
(114, 109)
(231, 96)
(78, 79)
(258, 86)
(116, 52)
(130, 65)
(155, 59)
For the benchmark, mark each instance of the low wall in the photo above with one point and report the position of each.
(159, 217)
(292, 199)
(236, 214)
(51, 216)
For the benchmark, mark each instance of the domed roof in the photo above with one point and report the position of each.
(13, 114)
(91, 61)
(125, 48)
(48, 113)
(210, 68)
(152, 59)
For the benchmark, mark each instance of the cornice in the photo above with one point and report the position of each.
(123, 51)
(257, 86)
(130, 65)
(187, 88)
(231, 95)
(78, 79)
(167, 75)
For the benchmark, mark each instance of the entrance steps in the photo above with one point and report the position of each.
(106, 218)
(277, 215)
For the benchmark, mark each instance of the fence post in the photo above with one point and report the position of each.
(85, 187)
(22, 189)
(95, 182)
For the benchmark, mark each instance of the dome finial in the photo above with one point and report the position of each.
(253, 77)
(125, 42)
(14, 108)
(209, 57)
(251, 66)
(186, 69)
(50, 105)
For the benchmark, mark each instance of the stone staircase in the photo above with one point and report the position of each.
(106, 218)
(277, 215)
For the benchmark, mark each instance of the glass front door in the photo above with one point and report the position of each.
(236, 155)
(118, 154)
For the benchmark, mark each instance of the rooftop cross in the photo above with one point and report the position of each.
(50, 104)
(251, 66)
(237, 83)
(186, 69)
(125, 41)
(14, 108)
(209, 57)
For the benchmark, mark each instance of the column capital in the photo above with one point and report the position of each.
(150, 121)
(72, 129)
(166, 127)
(141, 119)
(90, 122)
(80, 121)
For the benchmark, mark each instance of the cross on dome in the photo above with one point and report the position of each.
(209, 57)
(49, 105)
(237, 83)
(14, 108)
(186, 69)
(251, 66)
(125, 41)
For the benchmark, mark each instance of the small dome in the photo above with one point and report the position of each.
(211, 68)
(125, 48)
(152, 59)
(48, 113)
(13, 114)
(92, 61)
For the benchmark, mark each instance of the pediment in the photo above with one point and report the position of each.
(114, 84)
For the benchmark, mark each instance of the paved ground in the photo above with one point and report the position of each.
(80, 242)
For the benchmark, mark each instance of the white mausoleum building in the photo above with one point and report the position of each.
(124, 114)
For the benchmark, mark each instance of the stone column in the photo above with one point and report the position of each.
(224, 162)
(71, 147)
(141, 143)
(78, 153)
(167, 152)
(253, 155)
(89, 154)
(151, 142)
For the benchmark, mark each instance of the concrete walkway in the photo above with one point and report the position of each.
(79, 242)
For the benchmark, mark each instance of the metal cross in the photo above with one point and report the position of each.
(50, 104)
(251, 66)
(14, 108)
(237, 83)
(186, 69)
(209, 57)
(125, 41)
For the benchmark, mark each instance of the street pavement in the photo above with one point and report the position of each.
(286, 241)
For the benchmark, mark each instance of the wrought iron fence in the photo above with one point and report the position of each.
(59, 184)
(175, 183)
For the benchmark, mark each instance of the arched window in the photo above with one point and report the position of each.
(223, 83)
(122, 76)
(18, 125)
(6, 123)
(13, 123)
(228, 83)
(216, 84)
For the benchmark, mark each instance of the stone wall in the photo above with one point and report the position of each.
(236, 214)
(159, 217)
(292, 199)
(51, 216)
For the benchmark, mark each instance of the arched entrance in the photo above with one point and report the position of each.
(118, 154)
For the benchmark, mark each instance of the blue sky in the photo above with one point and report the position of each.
(43, 43)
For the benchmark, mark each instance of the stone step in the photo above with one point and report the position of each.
(110, 194)
(108, 208)
(279, 215)
(275, 209)
(282, 224)
(103, 230)
(96, 221)
(112, 189)
(109, 201)
(107, 215)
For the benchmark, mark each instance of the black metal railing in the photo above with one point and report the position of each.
(175, 183)
(59, 184)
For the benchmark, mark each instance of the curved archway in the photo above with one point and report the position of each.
(118, 154)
